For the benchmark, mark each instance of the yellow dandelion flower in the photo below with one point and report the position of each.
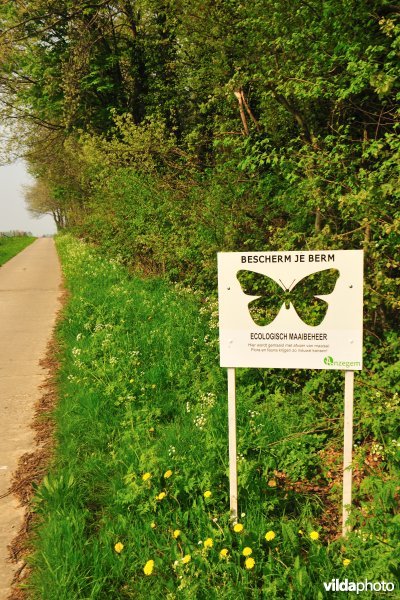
(249, 563)
(346, 562)
(153, 525)
(300, 532)
(270, 535)
(167, 474)
(238, 528)
(247, 551)
(146, 476)
(314, 535)
(224, 553)
(186, 559)
(176, 533)
(148, 567)
(118, 547)
(207, 494)
(208, 543)
(272, 483)
(161, 496)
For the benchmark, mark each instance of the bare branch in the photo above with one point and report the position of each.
(239, 96)
(24, 114)
(250, 113)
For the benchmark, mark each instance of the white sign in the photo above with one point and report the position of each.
(291, 309)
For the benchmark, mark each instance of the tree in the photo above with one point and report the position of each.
(286, 109)
(41, 201)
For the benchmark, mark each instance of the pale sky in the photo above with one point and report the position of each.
(13, 212)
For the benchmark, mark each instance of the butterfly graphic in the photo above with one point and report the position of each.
(303, 295)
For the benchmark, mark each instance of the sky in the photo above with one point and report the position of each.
(13, 212)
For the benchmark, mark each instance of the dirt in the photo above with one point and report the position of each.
(31, 469)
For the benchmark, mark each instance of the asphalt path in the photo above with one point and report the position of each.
(30, 288)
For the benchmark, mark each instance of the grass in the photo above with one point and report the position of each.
(10, 246)
(135, 504)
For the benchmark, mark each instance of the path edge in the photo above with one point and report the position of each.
(33, 466)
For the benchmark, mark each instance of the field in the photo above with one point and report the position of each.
(10, 246)
(136, 503)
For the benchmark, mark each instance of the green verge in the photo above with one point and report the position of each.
(135, 504)
(10, 246)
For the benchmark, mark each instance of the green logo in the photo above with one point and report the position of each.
(328, 360)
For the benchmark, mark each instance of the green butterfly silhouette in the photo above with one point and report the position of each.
(301, 294)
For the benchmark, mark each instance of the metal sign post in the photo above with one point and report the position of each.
(347, 448)
(232, 445)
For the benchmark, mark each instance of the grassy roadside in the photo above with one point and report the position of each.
(10, 246)
(136, 501)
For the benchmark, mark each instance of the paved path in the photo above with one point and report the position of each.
(29, 291)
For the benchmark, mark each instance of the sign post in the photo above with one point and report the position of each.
(291, 310)
(347, 447)
(233, 501)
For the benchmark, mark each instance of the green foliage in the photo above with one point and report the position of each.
(140, 471)
(168, 131)
(272, 125)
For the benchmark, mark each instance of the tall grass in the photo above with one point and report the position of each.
(135, 504)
